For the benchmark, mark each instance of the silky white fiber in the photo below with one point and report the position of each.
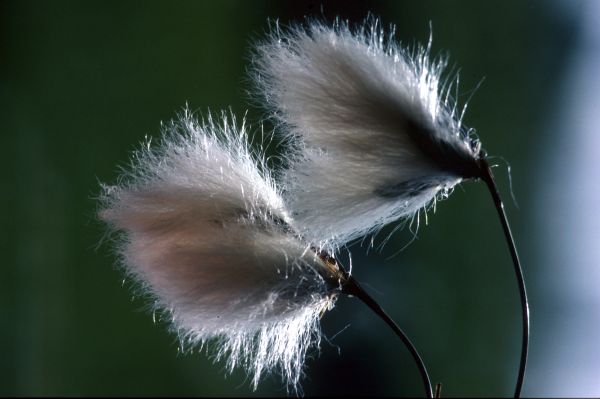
(375, 135)
(204, 233)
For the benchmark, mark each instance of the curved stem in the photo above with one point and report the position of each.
(488, 177)
(352, 287)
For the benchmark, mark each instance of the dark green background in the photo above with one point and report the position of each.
(82, 83)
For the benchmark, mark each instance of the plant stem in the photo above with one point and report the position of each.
(352, 287)
(488, 177)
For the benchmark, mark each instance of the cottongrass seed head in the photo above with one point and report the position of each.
(376, 134)
(203, 231)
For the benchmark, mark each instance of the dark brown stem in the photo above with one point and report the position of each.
(338, 275)
(352, 287)
(488, 177)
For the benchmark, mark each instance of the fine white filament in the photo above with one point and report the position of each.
(376, 135)
(204, 233)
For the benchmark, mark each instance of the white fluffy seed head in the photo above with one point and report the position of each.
(204, 233)
(376, 136)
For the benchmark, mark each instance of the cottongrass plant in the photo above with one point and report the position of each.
(373, 136)
(377, 136)
(375, 133)
(205, 233)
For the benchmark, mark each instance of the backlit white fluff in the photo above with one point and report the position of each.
(376, 136)
(204, 232)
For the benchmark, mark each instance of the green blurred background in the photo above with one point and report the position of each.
(82, 84)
